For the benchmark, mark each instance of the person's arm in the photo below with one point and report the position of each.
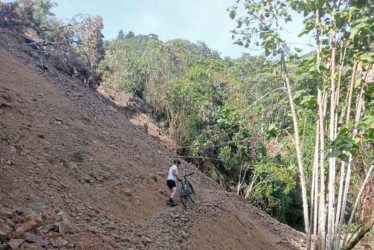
(176, 175)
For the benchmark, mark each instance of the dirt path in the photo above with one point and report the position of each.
(72, 157)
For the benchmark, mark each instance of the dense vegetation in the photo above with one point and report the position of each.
(209, 105)
(276, 127)
(291, 133)
(342, 77)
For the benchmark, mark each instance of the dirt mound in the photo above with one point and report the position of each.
(74, 166)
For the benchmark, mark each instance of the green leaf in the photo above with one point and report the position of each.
(367, 57)
(334, 153)
(309, 100)
(298, 94)
(272, 126)
(232, 14)
(239, 24)
(356, 29)
(358, 82)
(344, 157)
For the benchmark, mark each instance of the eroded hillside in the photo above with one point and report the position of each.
(76, 173)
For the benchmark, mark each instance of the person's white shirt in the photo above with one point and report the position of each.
(170, 174)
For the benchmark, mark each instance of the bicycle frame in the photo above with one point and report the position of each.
(186, 186)
(185, 190)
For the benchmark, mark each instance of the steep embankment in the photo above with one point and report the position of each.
(76, 173)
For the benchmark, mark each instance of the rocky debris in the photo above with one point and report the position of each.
(127, 192)
(32, 238)
(146, 240)
(59, 242)
(5, 228)
(184, 234)
(21, 229)
(65, 226)
(163, 192)
(110, 241)
(73, 165)
(153, 177)
(9, 162)
(5, 105)
(88, 179)
(58, 120)
(15, 243)
(30, 229)
(93, 229)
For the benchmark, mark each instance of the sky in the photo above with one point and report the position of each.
(194, 20)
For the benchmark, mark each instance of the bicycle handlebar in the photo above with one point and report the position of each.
(189, 174)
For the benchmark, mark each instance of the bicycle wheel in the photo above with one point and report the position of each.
(182, 196)
(192, 194)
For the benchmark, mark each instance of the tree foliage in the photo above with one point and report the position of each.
(76, 47)
(339, 71)
(215, 110)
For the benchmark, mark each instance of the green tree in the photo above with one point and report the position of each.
(130, 35)
(336, 26)
(121, 35)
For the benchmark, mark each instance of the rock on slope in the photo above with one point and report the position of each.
(75, 173)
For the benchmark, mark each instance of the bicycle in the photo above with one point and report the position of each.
(186, 191)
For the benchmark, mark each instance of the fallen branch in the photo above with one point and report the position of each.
(198, 157)
(355, 239)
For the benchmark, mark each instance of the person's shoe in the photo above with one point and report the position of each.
(171, 203)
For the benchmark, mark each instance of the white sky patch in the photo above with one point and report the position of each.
(151, 22)
(194, 20)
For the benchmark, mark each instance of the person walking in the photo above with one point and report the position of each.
(171, 181)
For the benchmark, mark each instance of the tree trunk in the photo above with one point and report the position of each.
(322, 208)
(297, 146)
(347, 182)
(314, 192)
(339, 204)
(332, 160)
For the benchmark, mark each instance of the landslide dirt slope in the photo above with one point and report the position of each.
(71, 158)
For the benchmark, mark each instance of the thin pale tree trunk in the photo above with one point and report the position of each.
(298, 149)
(342, 165)
(350, 91)
(251, 187)
(332, 160)
(359, 107)
(340, 198)
(343, 51)
(242, 175)
(321, 238)
(322, 208)
(314, 192)
(345, 110)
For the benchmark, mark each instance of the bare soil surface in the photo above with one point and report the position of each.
(76, 173)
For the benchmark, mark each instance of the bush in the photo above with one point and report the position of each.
(10, 17)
